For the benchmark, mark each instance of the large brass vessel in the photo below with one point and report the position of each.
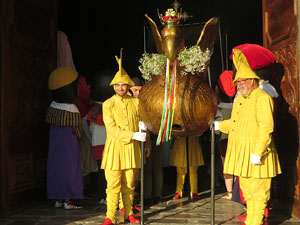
(196, 104)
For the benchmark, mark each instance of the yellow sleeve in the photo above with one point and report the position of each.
(224, 126)
(112, 129)
(265, 123)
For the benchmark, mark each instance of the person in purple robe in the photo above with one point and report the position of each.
(64, 175)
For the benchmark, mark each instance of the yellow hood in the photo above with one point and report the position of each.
(243, 69)
(121, 76)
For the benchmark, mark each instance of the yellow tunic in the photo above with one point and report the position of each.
(250, 131)
(120, 116)
(178, 156)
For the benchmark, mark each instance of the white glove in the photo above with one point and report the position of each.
(215, 124)
(255, 159)
(142, 126)
(139, 136)
(147, 152)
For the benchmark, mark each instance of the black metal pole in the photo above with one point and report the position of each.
(226, 51)
(221, 47)
(212, 171)
(142, 155)
(145, 47)
(142, 183)
(188, 167)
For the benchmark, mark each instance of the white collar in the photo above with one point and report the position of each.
(267, 87)
(65, 106)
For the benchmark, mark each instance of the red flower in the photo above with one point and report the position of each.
(174, 18)
(166, 18)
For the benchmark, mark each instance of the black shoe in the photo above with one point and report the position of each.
(156, 200)
(148, 202)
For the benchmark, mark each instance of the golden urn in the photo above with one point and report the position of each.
(195, 103)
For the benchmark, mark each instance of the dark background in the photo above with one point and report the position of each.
(98, 29)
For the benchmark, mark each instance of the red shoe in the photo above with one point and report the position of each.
(195, 196)
(242, 217)
(177, 196)
(137, 208)
(267, 213)
(107, 221)
(132, 219)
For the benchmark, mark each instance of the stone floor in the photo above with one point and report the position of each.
(169, 211)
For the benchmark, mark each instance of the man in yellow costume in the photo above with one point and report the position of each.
(121, 155)
(178, 159)
(251, 153)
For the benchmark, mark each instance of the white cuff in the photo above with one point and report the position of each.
(142, 126)
(217, 126)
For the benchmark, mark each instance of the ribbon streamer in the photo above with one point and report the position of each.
(168, 109)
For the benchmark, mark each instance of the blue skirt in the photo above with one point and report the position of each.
(64, 175)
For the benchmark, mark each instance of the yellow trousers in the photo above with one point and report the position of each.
(256, 192)
(137, 173)
(181, 173)
(119, 181)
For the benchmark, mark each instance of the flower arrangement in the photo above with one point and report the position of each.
(152, 64)
(192, 60)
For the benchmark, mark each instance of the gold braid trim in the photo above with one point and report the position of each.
(64, 118)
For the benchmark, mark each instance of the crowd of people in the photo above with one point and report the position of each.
(111, 131)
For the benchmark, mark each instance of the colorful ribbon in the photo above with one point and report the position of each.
(165, 130)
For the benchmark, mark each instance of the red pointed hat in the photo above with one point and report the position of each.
(225, 82)
(257, 56)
